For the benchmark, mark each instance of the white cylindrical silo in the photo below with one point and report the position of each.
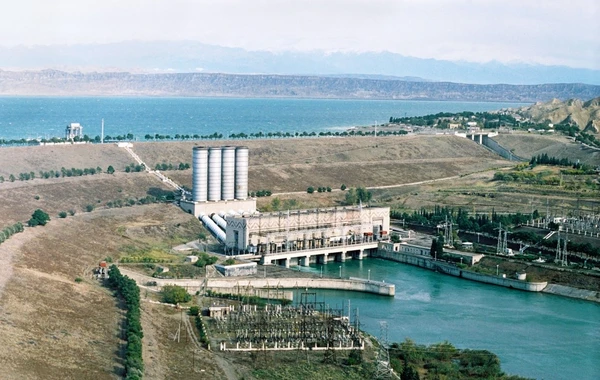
(241, 172)
(200, 174)
(228, 173)
(214, 174)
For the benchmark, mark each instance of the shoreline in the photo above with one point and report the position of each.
(447, 269)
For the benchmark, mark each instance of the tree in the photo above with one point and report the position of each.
(62, 214)
(110, 170)
(89, 208)
(351, 197)
(310, 190)
(174, 294)
(38, 218)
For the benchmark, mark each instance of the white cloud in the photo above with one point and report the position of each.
(549, 31)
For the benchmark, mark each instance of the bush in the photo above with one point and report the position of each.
(78, 279)
(62, 214)
(194, 310)
(343, 187)
(38, 218)
(72, 212)
(310, 190)
(174, 294)
(89, 208)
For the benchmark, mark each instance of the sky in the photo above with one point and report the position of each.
(550, 32)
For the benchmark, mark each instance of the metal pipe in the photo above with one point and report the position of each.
(212, 226)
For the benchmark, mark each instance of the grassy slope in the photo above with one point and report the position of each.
(54, 328)
(528, 145)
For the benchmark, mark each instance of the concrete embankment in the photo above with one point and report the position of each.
(229, 285)
(567, 291)
(453, 270)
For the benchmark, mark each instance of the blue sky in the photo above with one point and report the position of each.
(549, 32)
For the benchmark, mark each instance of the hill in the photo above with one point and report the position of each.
(189, 56)
(529, 145)
(586, 115)
(59, 83)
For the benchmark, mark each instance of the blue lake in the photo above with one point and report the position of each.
(33, 117)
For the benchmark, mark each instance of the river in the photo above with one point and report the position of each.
(535, 335)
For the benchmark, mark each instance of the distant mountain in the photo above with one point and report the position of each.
(586, 115)
(183, 56)
(53, 82)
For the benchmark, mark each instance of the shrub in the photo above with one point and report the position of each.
(89, 208)
(343, 187)
(72, 212)
(62, 214)
(78, 279)
(310, 190)
(38, 218)
(194, 310)
(174, 294)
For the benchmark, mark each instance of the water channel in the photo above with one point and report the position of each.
(535, 335)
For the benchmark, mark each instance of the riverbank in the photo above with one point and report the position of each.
(453, 270)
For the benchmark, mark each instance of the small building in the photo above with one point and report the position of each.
(219, 311)
(191, 259)
(73, 130)
(235, 270)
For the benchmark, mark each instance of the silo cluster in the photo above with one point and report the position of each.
(220, 173)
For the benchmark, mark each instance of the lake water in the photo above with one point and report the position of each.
(536, 335)
(33, 117)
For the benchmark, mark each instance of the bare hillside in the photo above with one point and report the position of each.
(528, 145)
(586, 115)
(15, 160)
(295, 164)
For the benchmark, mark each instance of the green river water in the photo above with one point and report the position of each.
(535, 335)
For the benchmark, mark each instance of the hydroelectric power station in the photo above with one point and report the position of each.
(299, 237)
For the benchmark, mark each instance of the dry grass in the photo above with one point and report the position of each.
(17, 160)
(63, 194)
(528, 145)
(54, 328)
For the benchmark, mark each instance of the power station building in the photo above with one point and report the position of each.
(220, 199)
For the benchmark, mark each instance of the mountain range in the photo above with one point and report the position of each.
(59, 83)
(186, 57)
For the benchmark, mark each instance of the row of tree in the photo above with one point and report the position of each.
(320, 189)
(164, 166)
(127, 290)
(10, 231)
(358, 195)
(63, 172)
(483, 222)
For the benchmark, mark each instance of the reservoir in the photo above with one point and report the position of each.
(535, 335)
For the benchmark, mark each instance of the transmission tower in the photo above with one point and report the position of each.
(384, 369)
(561, 250)
(502, 237)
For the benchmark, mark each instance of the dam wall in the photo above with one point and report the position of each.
(231, 285)
(453, 270)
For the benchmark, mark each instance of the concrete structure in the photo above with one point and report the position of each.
(243, 269)
(454, 270)
(308, 236)
(191, 259)
(219, 181)
(403, 247)
(73, 130)
(272, 285)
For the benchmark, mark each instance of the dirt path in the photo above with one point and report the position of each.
(381, 187)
